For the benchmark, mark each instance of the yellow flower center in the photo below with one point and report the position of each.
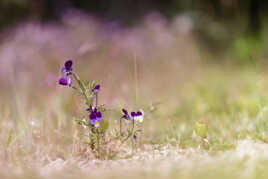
(97, 124)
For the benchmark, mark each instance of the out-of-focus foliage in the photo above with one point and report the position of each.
(221, 10)
(234, 26)
(247, 49)
(13, 10)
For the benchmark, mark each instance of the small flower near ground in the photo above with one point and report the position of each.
(66, 74)
(95, 118)
(96, 89)
(126, 115)
(137, 116)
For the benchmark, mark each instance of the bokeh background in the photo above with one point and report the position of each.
(179, 60)
(36, 36)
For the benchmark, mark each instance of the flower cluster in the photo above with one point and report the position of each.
(66, 74)
(65, 80)
(135, 116)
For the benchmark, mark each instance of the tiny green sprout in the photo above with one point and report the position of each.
(200, 129)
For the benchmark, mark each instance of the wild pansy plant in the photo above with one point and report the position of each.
(66, 73)
(94, 122)
(89, 92)
(134, 128)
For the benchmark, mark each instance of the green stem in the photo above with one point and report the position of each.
(129, 134)
(133, 133)
(120, 125)
(83, 88)
(96, 100)
(98, 143)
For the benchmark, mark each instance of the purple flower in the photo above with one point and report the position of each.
(98, 116)
(126, 115)
(68, 65)
(92, 117)
(137, 116)
(96, 89)
(66, 73)
(95, 118)
(65, 81)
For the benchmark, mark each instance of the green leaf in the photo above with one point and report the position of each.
(200, 129)
(93, 84)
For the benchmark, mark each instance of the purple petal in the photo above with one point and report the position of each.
(130, 118)
(97, 87)
(138, 113)
(125, 111)
(92, 122)
(63, 71)
(133, 114)
(68, 65)
(92, 116)
(98, 114)
(95, 110)
(98, 119)
(63, 81)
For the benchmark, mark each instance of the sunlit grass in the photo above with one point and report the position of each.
(232, 103)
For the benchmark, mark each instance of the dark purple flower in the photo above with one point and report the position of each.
(138, 113)
(92, 117)
(95, 118)
(126, 115)
(137, 116)
(66, 73)
(68, 65)
(98, 116)
(63, 81)
(124, 111)
(96, 89)
(133, 114)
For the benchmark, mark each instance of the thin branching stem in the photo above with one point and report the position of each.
(129, 134)
(82, 87)
(98, 143)
(120, 126)
(96, 100)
